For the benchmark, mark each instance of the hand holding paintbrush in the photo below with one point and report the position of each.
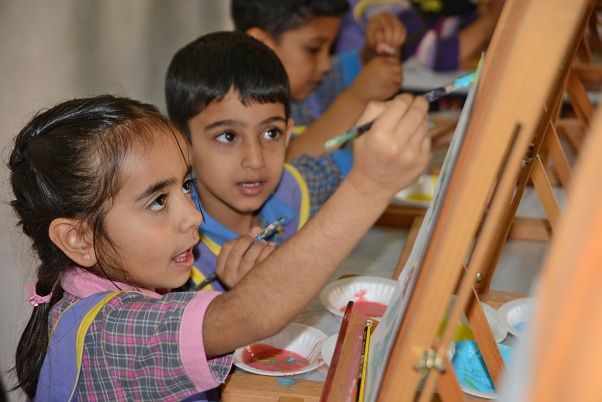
(430, 96)
(265, 233)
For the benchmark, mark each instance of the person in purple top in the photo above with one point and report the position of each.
(442, 35)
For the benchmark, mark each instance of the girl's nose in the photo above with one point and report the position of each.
(191, 216)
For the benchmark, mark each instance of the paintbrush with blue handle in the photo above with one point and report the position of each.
(430, 96)
(264, 234)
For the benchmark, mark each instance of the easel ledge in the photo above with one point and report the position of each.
(255, 388)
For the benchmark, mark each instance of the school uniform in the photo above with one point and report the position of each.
(139, 345)
(306, 183)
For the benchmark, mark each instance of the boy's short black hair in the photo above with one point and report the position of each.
(278, 16)
(206, 69)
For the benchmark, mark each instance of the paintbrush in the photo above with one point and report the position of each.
(430, 96)
(264, 233)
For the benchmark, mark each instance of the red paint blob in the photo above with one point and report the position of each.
(368, 308)
(268, 358)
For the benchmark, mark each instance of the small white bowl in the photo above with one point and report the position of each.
(301, 339)
(420, 193)
(337, 294)
(328, 348)
(514, 316)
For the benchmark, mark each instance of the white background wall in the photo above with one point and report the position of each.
(61, 49)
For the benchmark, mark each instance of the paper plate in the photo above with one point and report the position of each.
(420, 193)
(471, 370)
(298, 338)
(328, 348)
(463, 331)
(514, 315)
(368, 289)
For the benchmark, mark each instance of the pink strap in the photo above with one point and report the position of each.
(35, 299)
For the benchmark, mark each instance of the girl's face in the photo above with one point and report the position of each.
(237, 156)
(305, 53)
(153, 222)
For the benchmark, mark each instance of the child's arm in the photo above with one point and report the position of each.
(378, 80)
(386, 159)
(238, 256)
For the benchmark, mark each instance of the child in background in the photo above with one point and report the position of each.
(441, 35)
(102, 188)
(230, 95)
(328, 94)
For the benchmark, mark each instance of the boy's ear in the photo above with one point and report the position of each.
(289, 130)
(261, 35)
(71, 236)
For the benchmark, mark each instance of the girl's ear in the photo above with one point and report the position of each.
(71, 236)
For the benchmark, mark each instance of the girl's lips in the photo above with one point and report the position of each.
(185, 259)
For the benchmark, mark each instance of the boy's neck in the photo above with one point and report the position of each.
(235, 221)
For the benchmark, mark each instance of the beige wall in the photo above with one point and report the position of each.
(61, 49)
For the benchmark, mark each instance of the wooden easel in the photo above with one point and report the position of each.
(498, 138)
(523, 66)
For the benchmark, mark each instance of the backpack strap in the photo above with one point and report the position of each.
(60, 371)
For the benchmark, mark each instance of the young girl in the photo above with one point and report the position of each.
(102, 187)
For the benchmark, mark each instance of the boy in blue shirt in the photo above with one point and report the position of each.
(328, 92)
(230, 94)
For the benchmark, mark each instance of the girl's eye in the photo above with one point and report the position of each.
(272, 134)
(226, 137)
(158, 203)
(188, 185)
(313, 50)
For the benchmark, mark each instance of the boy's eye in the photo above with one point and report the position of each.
(158, 203)
(314, 50)
(226, 137)
(272, 134)
(188, 185)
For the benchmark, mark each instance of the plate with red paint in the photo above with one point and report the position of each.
(294, 350)
(370, 295)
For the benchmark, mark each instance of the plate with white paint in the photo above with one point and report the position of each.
(514, 315)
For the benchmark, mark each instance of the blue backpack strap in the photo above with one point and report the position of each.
(293, 191)
(60, 371)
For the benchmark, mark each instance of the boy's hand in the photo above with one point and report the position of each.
(238, 256)
(392, 154)
(384, 35)
(378, 80)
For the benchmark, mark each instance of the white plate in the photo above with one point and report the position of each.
(514, 313)
(499, 333)
(478, 369)
(301, 339)
(420, 193)
(337, 294)
(328, 348)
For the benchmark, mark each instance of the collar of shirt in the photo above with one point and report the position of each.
(81, 283)
(273, 209)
